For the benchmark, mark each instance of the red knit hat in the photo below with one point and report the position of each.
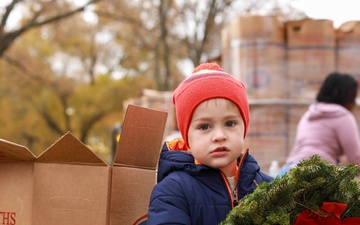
(208, 81)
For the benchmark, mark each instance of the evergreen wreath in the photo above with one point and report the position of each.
(304, 189)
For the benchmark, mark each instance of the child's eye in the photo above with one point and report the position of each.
(204, 126)
(230, 123)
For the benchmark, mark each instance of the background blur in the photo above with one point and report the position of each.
(75, 65)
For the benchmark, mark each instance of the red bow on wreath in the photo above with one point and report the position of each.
(329, 214)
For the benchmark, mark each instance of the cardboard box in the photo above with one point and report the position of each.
(66, 184)
(69, 184)
(134, 167)
(16, 183)
(311, 55)
(348, 49)
(256, 48)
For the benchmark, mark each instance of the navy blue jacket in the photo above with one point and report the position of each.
(187, 193)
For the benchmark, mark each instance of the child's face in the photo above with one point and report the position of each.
(216, 134)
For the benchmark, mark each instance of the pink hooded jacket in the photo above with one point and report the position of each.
(327, 130)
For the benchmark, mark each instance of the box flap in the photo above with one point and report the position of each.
(141, 137)
(68, 149)
(10, 151)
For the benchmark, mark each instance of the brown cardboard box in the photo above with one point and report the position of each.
(69, 184)
(348, 49)
(16, 183)
(257, 51)
(134, 167)
(66, 184)
(311, 54)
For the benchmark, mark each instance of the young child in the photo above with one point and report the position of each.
(202, 176)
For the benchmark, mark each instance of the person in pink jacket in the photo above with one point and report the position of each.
(328, 128)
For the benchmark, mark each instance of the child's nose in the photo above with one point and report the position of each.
(219, 135)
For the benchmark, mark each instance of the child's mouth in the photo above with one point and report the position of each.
(220, 151)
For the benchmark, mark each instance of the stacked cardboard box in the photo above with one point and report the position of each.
(348, 48)
(310, 55)
(254, 52)
(268, 125)
(226, 57)
(69, 184)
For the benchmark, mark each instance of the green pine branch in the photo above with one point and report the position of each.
(306, 187)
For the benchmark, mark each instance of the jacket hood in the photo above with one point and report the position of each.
(326, 110)
(176, 159)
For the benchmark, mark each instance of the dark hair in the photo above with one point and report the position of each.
(338, 88)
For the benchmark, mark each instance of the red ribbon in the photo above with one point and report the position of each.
(328, 214)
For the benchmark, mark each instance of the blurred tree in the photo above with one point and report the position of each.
(49, 68)
(166, 39)
(35, 14)
(160, 46)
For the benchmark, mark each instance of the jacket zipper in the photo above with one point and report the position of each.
(234, 193)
